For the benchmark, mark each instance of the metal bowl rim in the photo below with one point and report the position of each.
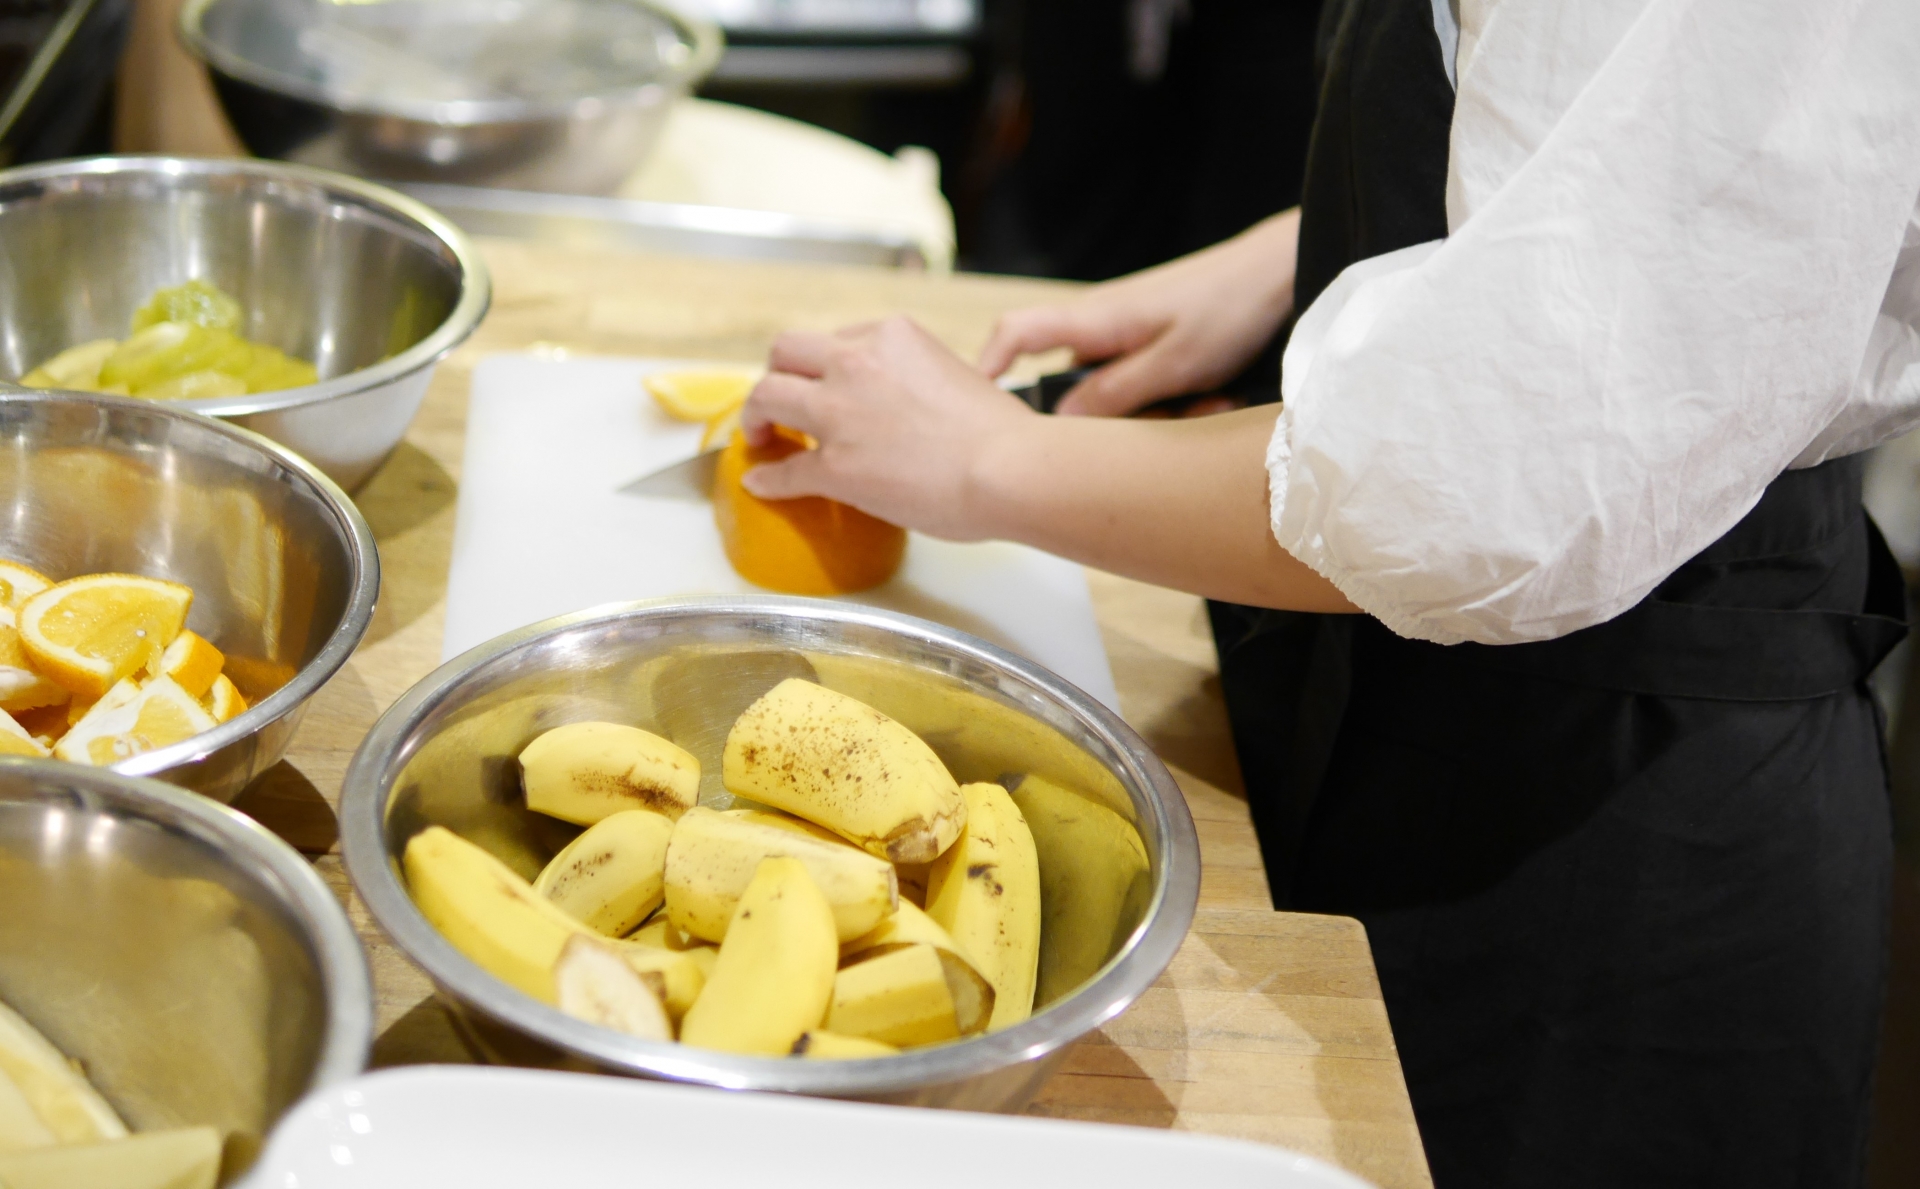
(363, 558)
(1163, 927)
(476, 284)
(703, 38)
(346, 982)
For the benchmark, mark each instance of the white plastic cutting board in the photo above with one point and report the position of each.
(541, 530)
(427, 1126)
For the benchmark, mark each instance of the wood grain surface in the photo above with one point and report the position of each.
(1268, 1026)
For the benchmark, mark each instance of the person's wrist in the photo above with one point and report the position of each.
(1271, 259)
(998, 470)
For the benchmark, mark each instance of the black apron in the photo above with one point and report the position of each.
(1626, 889)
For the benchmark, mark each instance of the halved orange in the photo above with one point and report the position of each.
(192, 662)
(19, 583)
(157, 715)
(88, 633)
(808, 546)
(14, 740)
(223, 701)
(701, 395)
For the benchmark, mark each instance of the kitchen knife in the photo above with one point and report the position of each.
(688, 479)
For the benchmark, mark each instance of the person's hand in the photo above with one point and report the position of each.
(899, 420)
(1186, 326)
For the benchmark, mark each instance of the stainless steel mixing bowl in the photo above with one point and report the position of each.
(193, 962)
(560, 95)
(445, 754)
(369, 285)
(282, 566)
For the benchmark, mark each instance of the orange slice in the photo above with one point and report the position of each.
(223, 701)
(21, 688)
(700, 396)
(19, 583)
(192, 662)
(808, 546)
(88, 633)
(121, 725)
(14, 740)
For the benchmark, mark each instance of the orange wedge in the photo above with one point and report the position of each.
(14, 740)
(192, 662)
(21, 688)
(123, 725)
(223, 701)
(88, 633)
(19, 583)
(700, 396)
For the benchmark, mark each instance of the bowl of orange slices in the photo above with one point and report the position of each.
(173, 589)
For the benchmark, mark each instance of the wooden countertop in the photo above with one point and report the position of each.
(1268, 1026)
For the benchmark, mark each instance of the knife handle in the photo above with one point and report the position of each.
(1045, 394)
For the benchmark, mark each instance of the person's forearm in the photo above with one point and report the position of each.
(1178, 503)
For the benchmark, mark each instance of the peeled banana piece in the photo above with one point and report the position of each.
(713, 855)
(1095, 882)
(487, 911)
(774, 977)
(985, 892)
(60, 1097)
(899, 998)
(831, 1046)
(611, 877)
(188, 1158)
(841, 764)
(970, 991)
(586, 771)
(593, 982)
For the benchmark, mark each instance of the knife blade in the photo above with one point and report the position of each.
(689, 479)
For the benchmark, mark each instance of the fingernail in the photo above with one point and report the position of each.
(751, 481)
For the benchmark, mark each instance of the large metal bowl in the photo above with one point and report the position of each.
(193, 962)
(369, 285)
(559, 95)
(444, 754)
(282, 566)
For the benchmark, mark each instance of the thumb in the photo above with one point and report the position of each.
(799, 474)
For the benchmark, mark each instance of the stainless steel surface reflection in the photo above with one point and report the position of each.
(193, 962)
(445, 754)
(557, 95)
(369, 285)
(282, 566)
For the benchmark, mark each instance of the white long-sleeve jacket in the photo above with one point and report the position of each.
(1684, 256)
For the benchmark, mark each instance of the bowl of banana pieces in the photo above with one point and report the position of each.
(772, 844)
